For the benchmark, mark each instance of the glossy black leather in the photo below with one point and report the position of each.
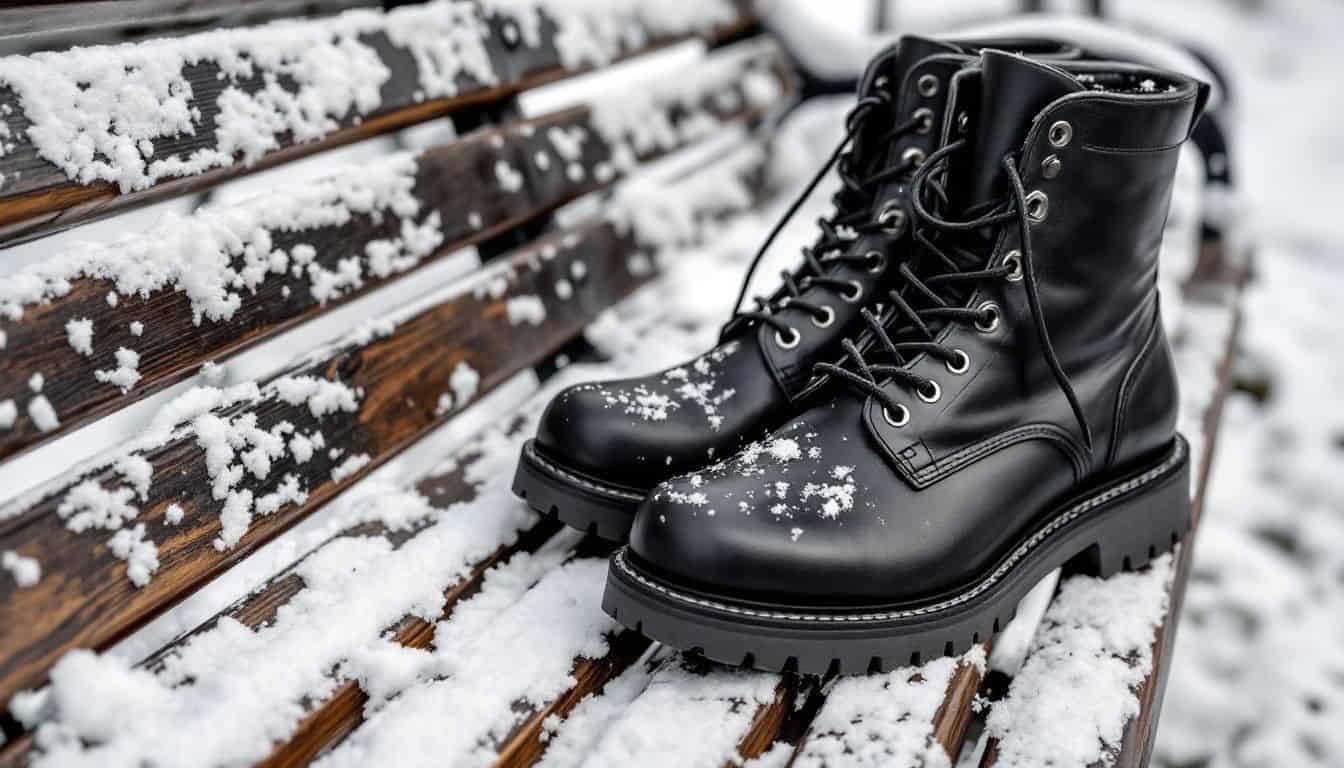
(594, 429)
(922, 509)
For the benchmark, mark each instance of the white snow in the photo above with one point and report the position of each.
(886, 719)
(529, 310)
(141, 556)
(9, 413)
(79, 333)
(25, 570)
(683, 717)
(43, 415)
(349, 467)
(1069, 703)
(126, 374)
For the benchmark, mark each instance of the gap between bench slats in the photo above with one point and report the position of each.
(422, 208)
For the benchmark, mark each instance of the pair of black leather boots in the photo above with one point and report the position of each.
(965, 385)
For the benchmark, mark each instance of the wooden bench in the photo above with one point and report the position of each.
(324, 559)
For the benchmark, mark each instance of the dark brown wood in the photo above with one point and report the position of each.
(457, 183)
(37, 197)
(85, 598)
(45, 20)
(954, 715)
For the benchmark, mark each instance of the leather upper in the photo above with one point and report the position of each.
(637, 432)
(839, 506)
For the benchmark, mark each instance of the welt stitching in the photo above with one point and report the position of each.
(573, 478)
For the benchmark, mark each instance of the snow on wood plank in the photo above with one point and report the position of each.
(689, 713)
(203, 493)
(909, 716)
(198, 288)
(81, 129)
(1091, 688)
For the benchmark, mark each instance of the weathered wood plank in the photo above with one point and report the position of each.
(200, 289)
(375, 393)
(44, 19)
(215, 106)
(388, 395)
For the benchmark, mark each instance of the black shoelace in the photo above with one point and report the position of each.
(855, 204)
(904, 329)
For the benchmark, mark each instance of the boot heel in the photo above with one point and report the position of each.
(1137, 528)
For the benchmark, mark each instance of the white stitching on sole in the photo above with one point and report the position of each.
(573, 478)
(1072, 514)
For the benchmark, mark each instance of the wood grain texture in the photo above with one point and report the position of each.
(85, 598)
(37, 197)
(456, 186)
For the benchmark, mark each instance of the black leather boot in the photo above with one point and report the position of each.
(1013, 408)
(601, 447)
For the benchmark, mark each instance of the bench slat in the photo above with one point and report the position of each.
(339, 715)
(179, 310)
(235, 101)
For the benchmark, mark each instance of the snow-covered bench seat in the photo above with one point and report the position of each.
(320, 558)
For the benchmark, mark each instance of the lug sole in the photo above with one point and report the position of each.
(579, 502)
(1120, 526)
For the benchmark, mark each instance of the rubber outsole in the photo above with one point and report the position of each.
(1120, 526)
(577, 501)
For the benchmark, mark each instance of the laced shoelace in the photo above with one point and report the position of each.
(905, 328)
(854, 203)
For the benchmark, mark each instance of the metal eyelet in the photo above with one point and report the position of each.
(914, 157)
(962, 364)
(793, 340)
(896, 422)
(876, 261)
(963, 122)
(1061, 133)
(892, 218)
(829, 318)
(1013, 260)
(934, 394)
(924, 120)
(1051, 166)
(927, 85)
(854, 295)
(992, 324)
(1038, 206)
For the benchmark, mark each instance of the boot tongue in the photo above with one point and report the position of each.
(1013, 91)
